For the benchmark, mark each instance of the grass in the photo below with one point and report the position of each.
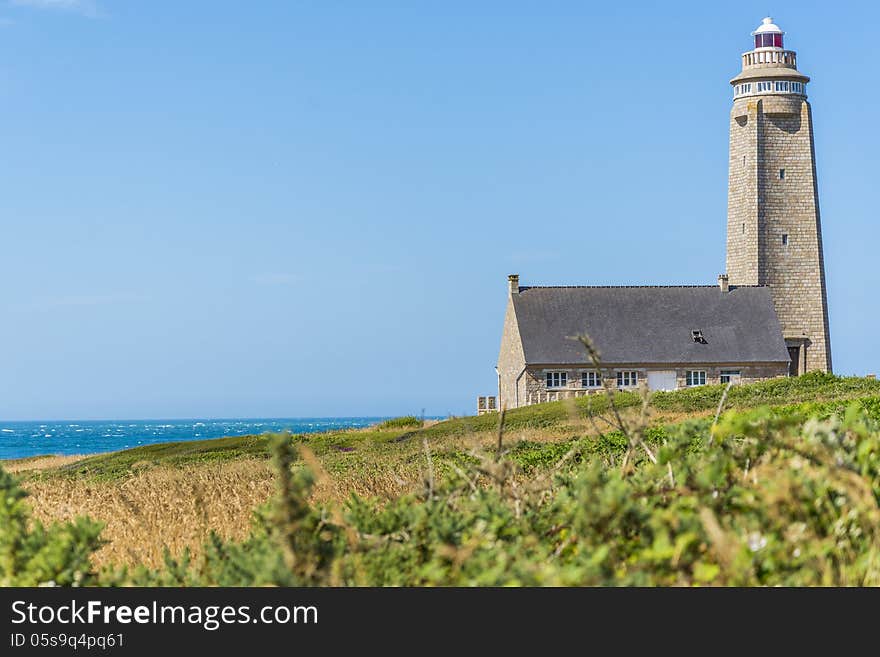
(173, 493)
(405, 422)
(814, 386)
(158, 507)
(117, 465)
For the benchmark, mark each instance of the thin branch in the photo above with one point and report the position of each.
(461, 473)
(593, 353)
(650, 454)
(722, 401)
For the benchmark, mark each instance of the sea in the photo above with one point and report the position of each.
(23, 439)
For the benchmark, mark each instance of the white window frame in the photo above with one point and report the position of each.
(771, 86)
(556, 380)
(695, 378)
(596, 378)
(727, 374)
(627, 378)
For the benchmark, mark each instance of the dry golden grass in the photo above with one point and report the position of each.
(178, 506)
(38, 463)
(165, 506)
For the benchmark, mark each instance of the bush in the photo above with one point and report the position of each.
(405, 422)
(785, 390)
(34, 555)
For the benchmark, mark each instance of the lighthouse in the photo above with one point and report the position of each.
(774, 235)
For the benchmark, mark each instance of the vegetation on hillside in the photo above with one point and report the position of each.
(782, 488)
(405, 422)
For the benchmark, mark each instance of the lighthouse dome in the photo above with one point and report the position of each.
(767, 25)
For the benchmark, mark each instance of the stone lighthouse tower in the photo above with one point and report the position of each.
(774, 236)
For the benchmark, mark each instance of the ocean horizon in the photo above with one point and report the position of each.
(66, 437)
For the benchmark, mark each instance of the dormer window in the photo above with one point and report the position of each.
(698, 337)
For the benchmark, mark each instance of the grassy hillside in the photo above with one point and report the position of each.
(397, 440)
(557, 462)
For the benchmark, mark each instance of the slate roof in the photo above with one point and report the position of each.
(650, 324)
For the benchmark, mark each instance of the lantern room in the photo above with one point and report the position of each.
(768, 35)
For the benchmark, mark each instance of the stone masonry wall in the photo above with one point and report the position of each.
(511, 361)
(773, 231)
(742, 195)
(536, 390)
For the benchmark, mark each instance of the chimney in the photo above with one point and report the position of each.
(513, 283)
(724, 282)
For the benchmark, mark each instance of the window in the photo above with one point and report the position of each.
(765, 86)
(782, 174)
(744, 229)
(784, 239)
(627, 379)
(782, 86)
(768, 40)
(557, 379)
(591, 380)
(696, 378)
(728, 376)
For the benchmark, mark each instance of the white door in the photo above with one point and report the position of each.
(662, 380)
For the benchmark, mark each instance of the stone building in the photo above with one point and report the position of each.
(767, 317)
(666, 336)
(774, 236)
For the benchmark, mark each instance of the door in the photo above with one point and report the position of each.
(662, 380)
(794, 353)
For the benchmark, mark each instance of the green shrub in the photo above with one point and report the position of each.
(785, 390)
(34, 555)
(405, 422)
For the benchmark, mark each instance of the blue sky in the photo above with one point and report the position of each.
(234, 209)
